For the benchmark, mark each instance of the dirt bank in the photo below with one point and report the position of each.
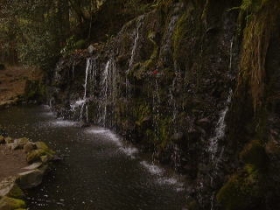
(11, 162)
(13, 81)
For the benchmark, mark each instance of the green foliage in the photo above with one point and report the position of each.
(71, 44)
(34, 90)
(40, 50)
(254, 154)
(241, 192)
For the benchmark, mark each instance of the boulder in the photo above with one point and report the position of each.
(7, 203)
(35, 155)
(33, 166)
(41, 145)
(8, 140)
(17, 144)
(30, 179)
(28, 147)
(9, 188)
(46, 158)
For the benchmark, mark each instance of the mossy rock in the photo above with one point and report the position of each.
(28, 147)
(81, 44)
(7, 203)
(44, 146)
(30, 179)
(9, 140)
(41, 145)
(241, 192)
(254, 154)
(9, 188)
(35, 155)
(18, 143)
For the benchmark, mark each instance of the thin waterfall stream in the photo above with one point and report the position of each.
(98, 170)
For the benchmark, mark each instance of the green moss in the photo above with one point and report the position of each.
(179, 35)
(7, 203)
(80, 44)
(16, 192)
(35, 155)
(143, 114)
(254, 154)
(140, 70)
(241, 192)
(43, 146)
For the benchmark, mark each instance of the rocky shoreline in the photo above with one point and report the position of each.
(38, 157)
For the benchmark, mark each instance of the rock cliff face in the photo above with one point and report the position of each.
(196, 83)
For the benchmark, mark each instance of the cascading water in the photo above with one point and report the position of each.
(73, 70)
(156, 114)
(219, 132)
(172, 100)
(104, 91)
(136, 40)
(109, 90)
(88, 66)
(135, 46)
(220, 127)
(80, 103)
(166, 44)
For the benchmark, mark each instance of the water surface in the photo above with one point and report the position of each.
(99, 170)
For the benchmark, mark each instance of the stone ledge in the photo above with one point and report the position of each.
(38, 156)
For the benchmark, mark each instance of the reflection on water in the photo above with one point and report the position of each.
(99, 171)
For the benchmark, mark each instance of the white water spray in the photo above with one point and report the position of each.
(219, 131)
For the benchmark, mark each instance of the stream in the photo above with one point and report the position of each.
(99, 171)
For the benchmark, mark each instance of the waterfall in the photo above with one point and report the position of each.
(79, 104)
(166, 43)
(135, 46)
(219, 131)
(105, 83)
(214, 144)
(88, 70)
(220, 127)
(156, 111)
(109, 90)
(230, 54)
(172, 100)
(136, 41)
